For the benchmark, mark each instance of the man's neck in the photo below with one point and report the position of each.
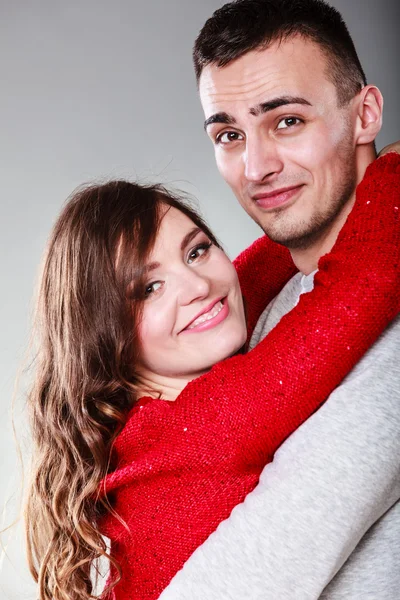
(306, 259)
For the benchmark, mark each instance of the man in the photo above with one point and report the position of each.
(293, 124)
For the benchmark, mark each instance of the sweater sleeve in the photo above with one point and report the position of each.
(328, 484)
(263, 269)
(290, 373)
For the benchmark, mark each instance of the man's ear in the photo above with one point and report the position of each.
(369, 104)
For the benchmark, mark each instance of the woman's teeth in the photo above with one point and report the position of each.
(207, 316)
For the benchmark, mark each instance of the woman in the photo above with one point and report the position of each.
(138, 302)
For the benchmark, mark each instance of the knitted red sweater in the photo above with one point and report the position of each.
(182, 466)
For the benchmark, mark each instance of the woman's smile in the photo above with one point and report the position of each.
(210, 317)
(194, 290)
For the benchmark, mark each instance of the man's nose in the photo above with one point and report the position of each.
(193, 286)
(261, 159)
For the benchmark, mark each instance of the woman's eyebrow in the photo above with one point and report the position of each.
(186, 240)
(151, 267)
(189, 236)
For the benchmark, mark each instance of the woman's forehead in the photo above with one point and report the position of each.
(174, 225)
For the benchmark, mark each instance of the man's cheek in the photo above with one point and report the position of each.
(222, 166)
(307, 156)
(313, 147)
(230, 167)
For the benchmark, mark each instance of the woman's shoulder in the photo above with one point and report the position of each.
(144, 420)
(145, 425)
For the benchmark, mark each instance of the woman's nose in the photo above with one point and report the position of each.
(193, 286)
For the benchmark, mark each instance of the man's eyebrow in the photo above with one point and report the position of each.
(276, 103)
(189, 236)
(221, 117)
(226, 119)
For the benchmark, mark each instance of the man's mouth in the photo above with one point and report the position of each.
(270, 200)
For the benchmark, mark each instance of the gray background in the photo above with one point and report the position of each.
(104, 89)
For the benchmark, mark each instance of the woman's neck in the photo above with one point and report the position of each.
(159, 386)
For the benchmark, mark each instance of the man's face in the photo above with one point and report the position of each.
(281, 141)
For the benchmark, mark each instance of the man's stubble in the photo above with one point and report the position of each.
(302, 235)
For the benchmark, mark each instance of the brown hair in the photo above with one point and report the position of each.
(244, 25)
(85, 381)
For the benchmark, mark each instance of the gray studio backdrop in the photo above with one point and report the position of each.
(94, 90)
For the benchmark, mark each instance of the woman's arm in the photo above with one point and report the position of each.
(287, 376)
(313, 347)
(184, 465)
(263, 269)
(330, 481)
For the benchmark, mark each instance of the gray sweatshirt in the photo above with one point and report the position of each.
(324, 521)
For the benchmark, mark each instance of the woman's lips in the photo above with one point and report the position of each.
(277, 198)
(209, 319)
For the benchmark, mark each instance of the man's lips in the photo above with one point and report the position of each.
(276, 197)
(211, 315)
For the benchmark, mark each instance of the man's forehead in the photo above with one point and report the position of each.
(289, 68)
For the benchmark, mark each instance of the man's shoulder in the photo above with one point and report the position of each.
(284, 302)
(383, 352)
(381, 360)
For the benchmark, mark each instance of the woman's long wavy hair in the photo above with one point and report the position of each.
(85, 382)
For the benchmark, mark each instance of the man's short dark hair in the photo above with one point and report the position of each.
(244, 25)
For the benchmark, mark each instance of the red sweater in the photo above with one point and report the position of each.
(182, 466)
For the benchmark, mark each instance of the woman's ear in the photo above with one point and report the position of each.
(369, 103)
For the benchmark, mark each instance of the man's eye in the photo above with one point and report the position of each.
(288, 122)
(151, 288)
(198, 251)
(228, 137)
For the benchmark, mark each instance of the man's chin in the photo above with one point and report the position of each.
(301, 231)
(297, 238)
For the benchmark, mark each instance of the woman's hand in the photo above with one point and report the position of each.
(395, 147)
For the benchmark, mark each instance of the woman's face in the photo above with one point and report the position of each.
(193, 313)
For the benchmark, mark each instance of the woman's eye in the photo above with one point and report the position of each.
(151, 288)
(288, 122)
(228, 137)
(198, 251)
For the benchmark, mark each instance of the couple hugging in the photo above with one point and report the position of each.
(168, 377)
